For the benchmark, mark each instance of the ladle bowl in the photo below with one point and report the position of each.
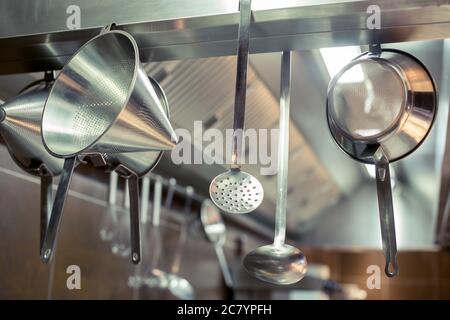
(277, 264)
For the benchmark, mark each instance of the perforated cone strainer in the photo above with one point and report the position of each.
(380, 108)
(102, 102)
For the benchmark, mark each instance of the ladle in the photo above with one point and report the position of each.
(279, 263)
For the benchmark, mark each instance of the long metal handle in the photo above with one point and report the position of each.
(386, 211)
(241, 80)
(183, 231)
(179, 251)
(46, 205)
(135, 234)
(170, 193)
(145, 192)
(157, 195)
(57, 209)
(226, 273)
(283, 149)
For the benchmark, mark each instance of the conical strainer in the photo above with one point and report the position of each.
(102, 102)
(380, 108)
(20, 127)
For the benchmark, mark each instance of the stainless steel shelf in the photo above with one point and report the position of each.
(34, 36)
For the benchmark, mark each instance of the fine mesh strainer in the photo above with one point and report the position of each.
(101, 102)
(236, 191)
(380, 108)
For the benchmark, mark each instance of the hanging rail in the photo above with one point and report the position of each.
(35, 35)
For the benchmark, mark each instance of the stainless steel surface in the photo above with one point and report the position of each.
(139, 162)
(108, 226)
(34, 36)
(280, 263)
(216, 232)
(20, 127)
(237, 191)
(380, 108)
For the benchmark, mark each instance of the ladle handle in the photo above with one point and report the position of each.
(135, 234)
(283, 148)
(241, 80)
(226, 273)
(57, 209)
(386, 211)
(46, 205)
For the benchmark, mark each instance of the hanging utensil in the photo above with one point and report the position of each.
(178, 286)
(280, 263)
(236, 191)
(103, 106)
(20, 127)
(216, 233)
(380, 108)
(120, 243)
(109, 221)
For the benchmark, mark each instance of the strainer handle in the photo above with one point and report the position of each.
(386, 211)
(135, 234)
(48, 245)
(46, 205)
(241, 80)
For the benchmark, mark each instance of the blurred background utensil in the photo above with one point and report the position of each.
(215, 230)
(109, 221)
(179, 286)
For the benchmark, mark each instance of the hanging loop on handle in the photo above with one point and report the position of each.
(108, 27)
(241, 81)
(386, 211)
(48, 244)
